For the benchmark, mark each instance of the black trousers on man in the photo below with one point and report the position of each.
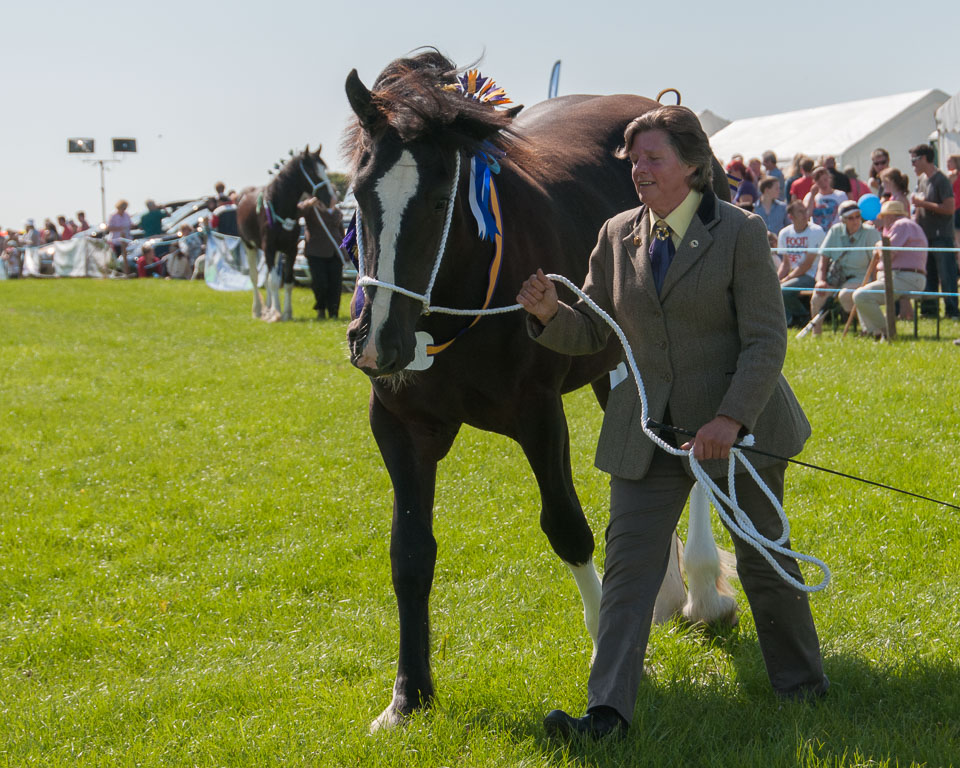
(326, 276)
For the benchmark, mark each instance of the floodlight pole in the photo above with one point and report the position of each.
(103, 195)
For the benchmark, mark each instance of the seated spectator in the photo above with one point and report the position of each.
(798, 244)
(179, 266)
(908, 267)
(822, 201)
(839, 180)
(770, 169)
(895, 185)
(857, 188)
(800, 187)
(152, 221)
(769, 207)
(841, 268)
(11, 257)
(146, 261)
(193, 245)
(879, 160)
(82, 224)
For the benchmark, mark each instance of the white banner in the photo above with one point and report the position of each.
(79, 257)
(225, 267)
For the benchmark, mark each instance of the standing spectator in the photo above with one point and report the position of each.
(895, 185)
(324, 233)
(953, 168)
(50, 234)
(67, 228)
(770, 169)
(822, 201)
(879, 160)
(797, 245)
(221, 197)
(857, 188)
(839, 180)
(770, 208)
(152, 221)
(800, 187)
(793, 173)
(847, 268)
(907, 266)
(30, 237)
(756, 168)
(82, 224)
(118, 233)
(935, 206)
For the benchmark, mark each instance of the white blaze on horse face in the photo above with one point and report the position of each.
(395, 189)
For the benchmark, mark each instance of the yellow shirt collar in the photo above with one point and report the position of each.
(680, 217)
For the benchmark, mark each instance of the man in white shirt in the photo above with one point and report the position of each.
(797, 245)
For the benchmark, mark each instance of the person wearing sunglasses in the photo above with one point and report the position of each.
(934, 205)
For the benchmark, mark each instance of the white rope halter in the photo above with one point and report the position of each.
(423, 298)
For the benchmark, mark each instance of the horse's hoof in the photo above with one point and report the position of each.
(273, 317)
(388, 719)
(722, 610)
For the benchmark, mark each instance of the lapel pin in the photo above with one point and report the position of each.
(694, 243)
(636, 240)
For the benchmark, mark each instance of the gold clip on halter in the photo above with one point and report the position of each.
(668, 90)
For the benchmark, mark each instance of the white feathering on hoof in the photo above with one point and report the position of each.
(710, 597)
(589, 585)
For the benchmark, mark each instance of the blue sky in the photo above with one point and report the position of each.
(221, 91)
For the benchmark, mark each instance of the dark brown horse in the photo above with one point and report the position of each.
(268, 219)
(558, 182)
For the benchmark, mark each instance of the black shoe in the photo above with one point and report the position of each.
(806, 693)
(598, 723)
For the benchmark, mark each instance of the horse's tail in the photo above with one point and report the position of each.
(708, 569)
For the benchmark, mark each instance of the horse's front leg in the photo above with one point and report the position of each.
(542, 433)
(411, 455)
(271, 312)
(252, 257)
(288, 261)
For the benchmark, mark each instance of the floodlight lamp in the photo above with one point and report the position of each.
(80, 146)
(124, 145)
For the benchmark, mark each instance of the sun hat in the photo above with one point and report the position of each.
(847, 207)
(893, 208)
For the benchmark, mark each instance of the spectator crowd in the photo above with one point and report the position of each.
(828, 230)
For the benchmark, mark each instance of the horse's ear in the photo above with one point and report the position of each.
(361, 101)
(307, 150)
(514, 111)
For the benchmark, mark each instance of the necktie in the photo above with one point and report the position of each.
(662, 251)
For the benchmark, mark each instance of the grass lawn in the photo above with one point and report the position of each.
(194, 559)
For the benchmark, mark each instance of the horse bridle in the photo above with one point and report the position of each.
(315, 185)
(423, 298)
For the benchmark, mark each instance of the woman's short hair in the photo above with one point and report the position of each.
(686, 136)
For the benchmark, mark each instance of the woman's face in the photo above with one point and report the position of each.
(951, 164)
(880, 162)
(661, 179)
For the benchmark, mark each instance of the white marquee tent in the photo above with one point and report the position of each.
(948, 128)
(848, 131)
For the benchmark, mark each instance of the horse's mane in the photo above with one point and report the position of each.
(413, 102)
(286, 174)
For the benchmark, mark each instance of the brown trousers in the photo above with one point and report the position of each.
(643, 515)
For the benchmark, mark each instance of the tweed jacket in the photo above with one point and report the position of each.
(712, 343)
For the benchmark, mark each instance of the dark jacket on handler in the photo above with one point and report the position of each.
(712, 343)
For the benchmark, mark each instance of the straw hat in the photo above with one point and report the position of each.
(893, 208)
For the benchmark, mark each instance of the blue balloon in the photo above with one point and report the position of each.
(869, 207)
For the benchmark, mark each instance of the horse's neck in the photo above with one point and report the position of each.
(284, 193)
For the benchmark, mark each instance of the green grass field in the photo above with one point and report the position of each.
(194, 567)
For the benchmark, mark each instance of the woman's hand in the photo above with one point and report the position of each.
(538, 295)
(714, 439)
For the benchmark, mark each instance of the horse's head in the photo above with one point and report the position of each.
(314, 176)
(409, 137)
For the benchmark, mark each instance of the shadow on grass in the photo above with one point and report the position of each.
(873, 715)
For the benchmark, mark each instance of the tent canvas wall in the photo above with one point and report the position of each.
(948, 128)
(848, 131)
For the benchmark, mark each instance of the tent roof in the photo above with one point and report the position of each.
(818, 131)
